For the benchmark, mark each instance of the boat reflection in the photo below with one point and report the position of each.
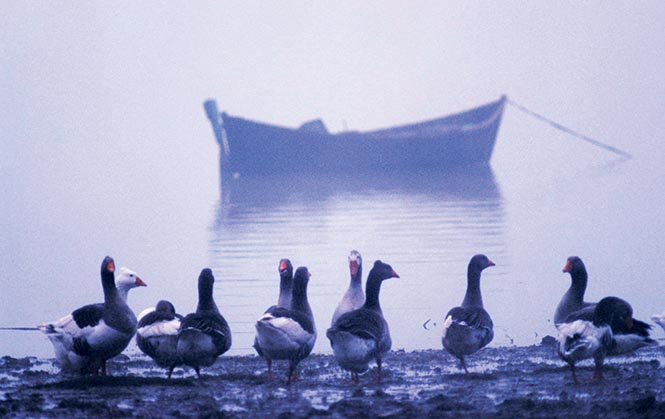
(274, 190)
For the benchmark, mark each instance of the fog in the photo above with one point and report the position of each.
(105, 148)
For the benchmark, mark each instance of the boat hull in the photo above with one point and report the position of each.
(459, 140)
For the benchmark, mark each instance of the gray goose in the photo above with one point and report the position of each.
(362, 335)
(572, 305)
(203, 335)
(612, 331)
(468, 328)
(157, 334)
(283, 301)
(289, 334)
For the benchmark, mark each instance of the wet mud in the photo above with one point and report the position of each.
(504, 382)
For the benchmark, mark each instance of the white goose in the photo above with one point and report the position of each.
(354, 297)
(86, 338)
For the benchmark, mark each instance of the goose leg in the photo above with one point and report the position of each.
(170, 371)
(292, 373)
(378, 364)
(198, 371)
(598, 371)
(463, 362)
(269, 362)
(572, 368)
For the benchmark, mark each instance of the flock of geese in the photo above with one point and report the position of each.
(359, 334)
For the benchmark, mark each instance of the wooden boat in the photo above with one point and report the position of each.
(455, 141)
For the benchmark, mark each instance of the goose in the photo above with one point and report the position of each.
(157, 334)
(283, 301)
(612, 332)
(362, 335)
(354, 297)
(60, 332)
(92, 334)
(289, 333)
(469, 327)
(203, 335)
(63, 332)
(572, 305)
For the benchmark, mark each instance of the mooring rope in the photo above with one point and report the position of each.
(568, 130)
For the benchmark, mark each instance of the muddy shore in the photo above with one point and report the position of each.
(504, 382)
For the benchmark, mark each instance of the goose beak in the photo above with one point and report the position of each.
(568, 267)
(394, 274)
(139, 282)
(353, 266)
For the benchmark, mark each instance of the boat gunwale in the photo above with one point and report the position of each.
(393, 131)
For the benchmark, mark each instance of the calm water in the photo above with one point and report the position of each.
(527, 219)
(424, 226)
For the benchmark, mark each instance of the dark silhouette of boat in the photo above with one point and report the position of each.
(459, 140)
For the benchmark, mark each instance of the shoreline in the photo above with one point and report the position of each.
(528, 381)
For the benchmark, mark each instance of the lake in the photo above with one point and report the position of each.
(539, 203)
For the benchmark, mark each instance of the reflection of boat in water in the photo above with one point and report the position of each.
(314, 188)
(464, 139)
(454, 195)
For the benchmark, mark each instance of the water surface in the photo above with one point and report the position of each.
(528, 218)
